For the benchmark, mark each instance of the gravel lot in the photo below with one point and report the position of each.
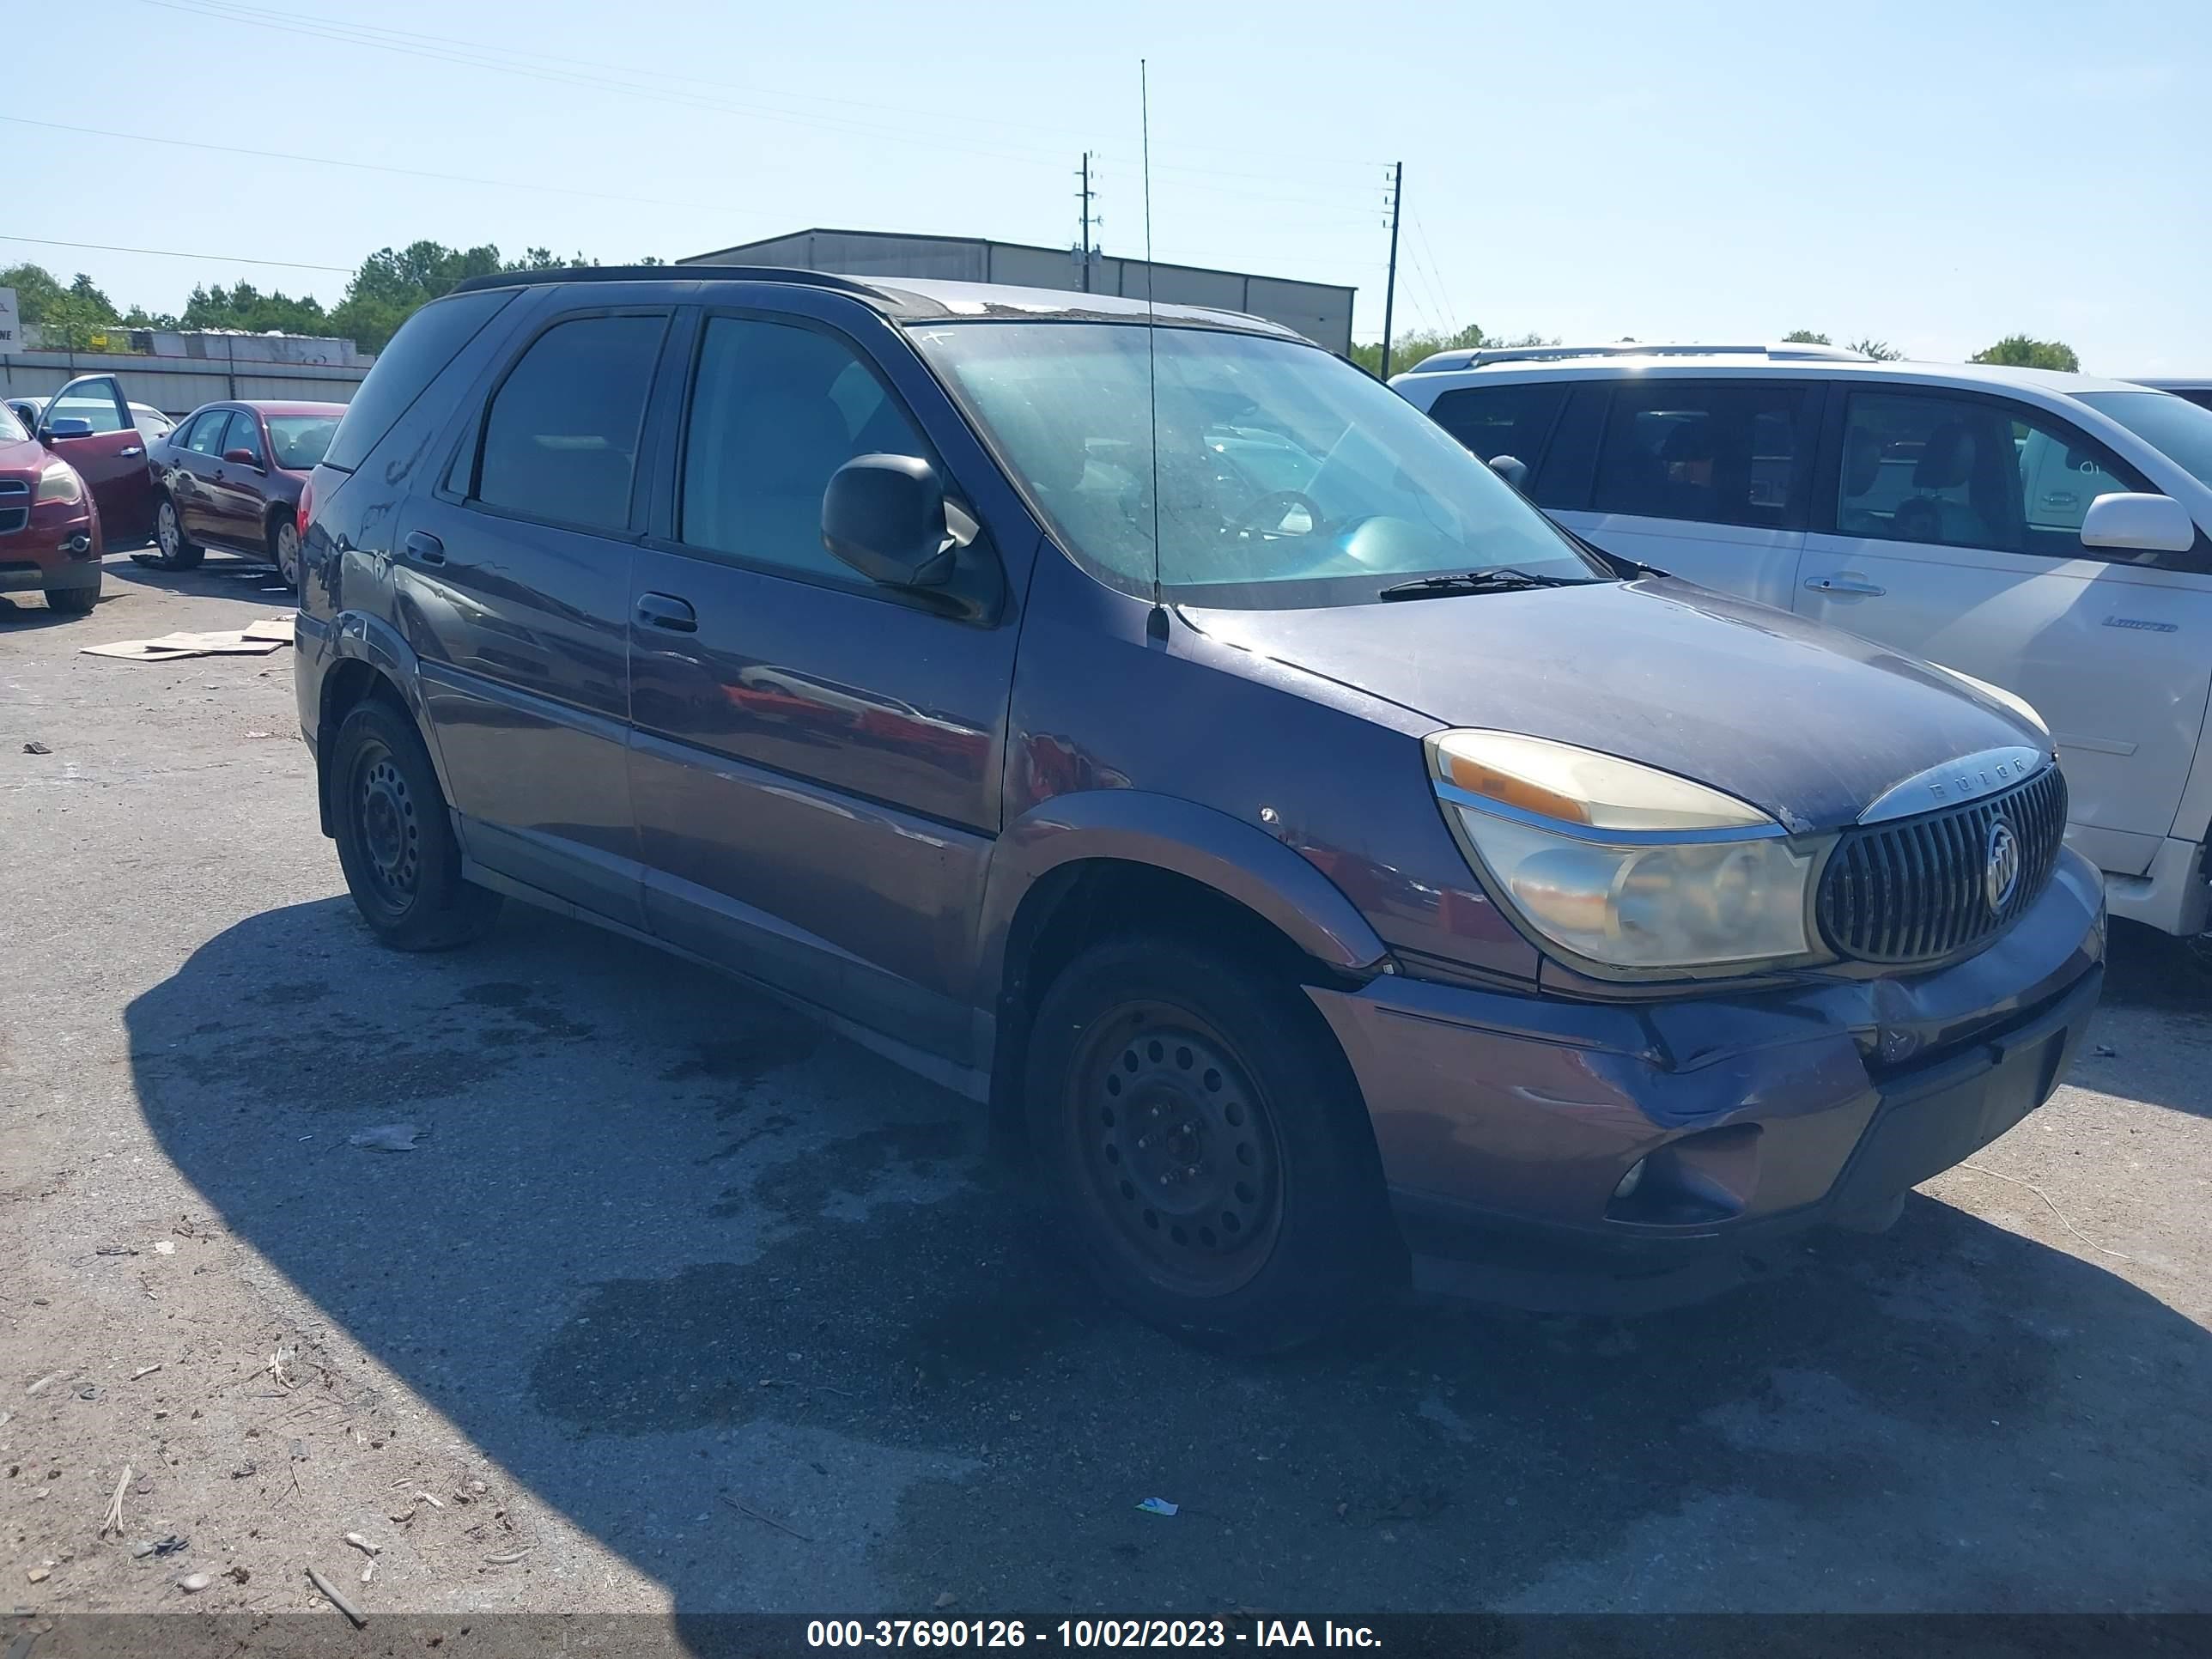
(702, 1310)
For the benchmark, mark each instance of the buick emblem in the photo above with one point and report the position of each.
(2002, 875)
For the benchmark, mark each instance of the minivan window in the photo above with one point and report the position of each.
(774, 410)
(1710, 451)
(1969, 472)
(2177, 428)
(1285, 477)
(426, 343)
(560, 441)
(1502, 420)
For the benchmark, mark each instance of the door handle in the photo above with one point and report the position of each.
(1832, 585)
(667, 612)
(423, 548)
(134, 449)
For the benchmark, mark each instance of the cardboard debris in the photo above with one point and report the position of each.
(256, 639)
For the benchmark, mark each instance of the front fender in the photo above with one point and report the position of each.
(1236, 859)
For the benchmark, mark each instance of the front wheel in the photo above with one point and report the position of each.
(1208, 1144)
(396, 837)
(73, 601)
(174, 551)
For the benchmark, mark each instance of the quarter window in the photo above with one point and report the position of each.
(561, 438)
(1960, 473)
(774, 410)
(1715, 453)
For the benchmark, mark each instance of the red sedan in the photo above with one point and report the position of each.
(230, 475)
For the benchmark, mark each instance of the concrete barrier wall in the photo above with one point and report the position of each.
(176, 385)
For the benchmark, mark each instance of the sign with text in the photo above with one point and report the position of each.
(11, 326)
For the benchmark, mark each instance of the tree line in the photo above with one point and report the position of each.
(393, 284)
(387, 288)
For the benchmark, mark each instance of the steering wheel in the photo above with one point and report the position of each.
(1283, 500)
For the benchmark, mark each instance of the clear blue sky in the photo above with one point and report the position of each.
(1936, 173)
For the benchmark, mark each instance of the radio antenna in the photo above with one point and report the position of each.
(1155, 625)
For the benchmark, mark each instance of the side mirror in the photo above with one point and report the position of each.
(2132, 523)
(242, 458)
(884, 516)
(68, 426)
(1513, 470)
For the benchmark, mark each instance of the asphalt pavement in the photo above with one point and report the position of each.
(680, 1305)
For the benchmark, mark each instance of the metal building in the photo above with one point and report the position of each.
(1319, 311)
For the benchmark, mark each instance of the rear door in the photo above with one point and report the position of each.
(512, 581)
(1706, 478)
(111, 460)
(1949, 527)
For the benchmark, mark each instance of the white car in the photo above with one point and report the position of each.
(2050, 533)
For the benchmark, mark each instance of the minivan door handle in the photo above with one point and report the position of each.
(667, 612)
(1834, 585)
(423, 548)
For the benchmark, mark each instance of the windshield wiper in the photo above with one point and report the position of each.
(1493, 579)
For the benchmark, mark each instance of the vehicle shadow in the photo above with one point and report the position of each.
(21, 612)
(219, 575)
(754, 1309)
(2153, 1038)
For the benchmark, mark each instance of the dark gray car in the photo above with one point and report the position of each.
(1162, 733)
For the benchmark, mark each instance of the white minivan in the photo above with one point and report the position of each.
(2050, 533)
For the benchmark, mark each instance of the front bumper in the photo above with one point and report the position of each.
(59, 546)
(1751, 1115)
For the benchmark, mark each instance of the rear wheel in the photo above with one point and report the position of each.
(396, 838)
(1206, 1141)
(284, 548)
(173, 551)
(73, 601)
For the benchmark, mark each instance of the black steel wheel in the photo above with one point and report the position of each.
(1207, 1145)
(395, 836)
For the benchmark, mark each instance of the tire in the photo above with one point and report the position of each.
(73, 601)
(175, 550)
(284, 549)
(396, 837)
(1206, 1144)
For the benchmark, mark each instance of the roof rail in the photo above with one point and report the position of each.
(1483, 356)
(667, 273)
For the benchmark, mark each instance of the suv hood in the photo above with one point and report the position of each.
(1808, 723)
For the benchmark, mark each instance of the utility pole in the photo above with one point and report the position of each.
(1390, 288)
(1083, 248)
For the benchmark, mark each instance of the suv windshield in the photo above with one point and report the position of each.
(11, 430)
(2176, 427)
(1284, 477)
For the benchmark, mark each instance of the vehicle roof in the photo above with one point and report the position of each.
(915, 300)
(2176, 382)
(1993, 375)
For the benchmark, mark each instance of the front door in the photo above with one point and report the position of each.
(1707, 479)
(814, 759)
(112, 459)
(238, 485)
(1956, 536)
(192, 467)
(513, 578)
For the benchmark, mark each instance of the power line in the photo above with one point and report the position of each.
(172, 253)
(1450, 310)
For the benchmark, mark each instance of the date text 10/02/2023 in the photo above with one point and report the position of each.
(1085, 1633)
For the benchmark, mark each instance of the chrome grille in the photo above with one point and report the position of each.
(15, 504)
(1918, 889)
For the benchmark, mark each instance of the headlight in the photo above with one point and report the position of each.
(2019, 705)
(59, 483)
(1624, 867)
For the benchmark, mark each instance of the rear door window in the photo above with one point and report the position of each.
(1513, 419)
(559, 440)
(1712, 451)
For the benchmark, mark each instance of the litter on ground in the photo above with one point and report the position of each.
(256, 639)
